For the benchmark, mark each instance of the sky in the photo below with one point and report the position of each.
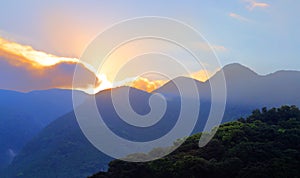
(260, 34)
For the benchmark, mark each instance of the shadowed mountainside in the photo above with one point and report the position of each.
(23, 115)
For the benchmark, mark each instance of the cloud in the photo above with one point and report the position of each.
(56, 76)
(239, 17)
(252, 4)
(202, 75)
(26, 54)
(146, 84)
(23, 68)
(150, 85)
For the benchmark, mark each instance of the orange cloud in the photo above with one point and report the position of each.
(146, 84)
(151, 85)
(252, 4)
(22, 53)
(37, 70)
(238, 17)
(40, 70)
(202, 75)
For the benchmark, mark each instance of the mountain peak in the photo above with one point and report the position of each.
(182, 78)
(235, 72)
(170, 87)
(121, 90)
(238, 68)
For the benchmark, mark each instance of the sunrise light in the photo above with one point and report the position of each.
(19, 54)
(36, 58)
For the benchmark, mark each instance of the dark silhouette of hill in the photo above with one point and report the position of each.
(265, 144)
(23, 115)
(60, 150)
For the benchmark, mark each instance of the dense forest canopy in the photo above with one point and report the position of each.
(266, 144)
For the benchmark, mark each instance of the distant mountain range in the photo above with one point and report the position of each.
(245, 87)
(61, 149)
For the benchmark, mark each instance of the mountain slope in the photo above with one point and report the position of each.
(266, 144)
(245, 87)
(23, 115)
(60, 150)
(244, 95)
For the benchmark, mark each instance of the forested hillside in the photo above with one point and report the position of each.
(266, 144)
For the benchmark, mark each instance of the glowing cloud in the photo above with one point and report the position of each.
(37, 70)
(202, 75)
(40, 70)
(238, 17)
(104, 84)
(146, 84)
(252, 4)
(27, 54)
(151, 85)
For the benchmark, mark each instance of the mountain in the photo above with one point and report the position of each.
(60, 150)
(245, 87)
(23, 115)
(265, 144)
(269, 90)
(246, 91)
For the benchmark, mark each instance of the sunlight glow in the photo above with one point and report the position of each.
(37, 58)
(18, 55)
(146, 84)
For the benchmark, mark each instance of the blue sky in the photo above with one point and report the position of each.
(260, 34)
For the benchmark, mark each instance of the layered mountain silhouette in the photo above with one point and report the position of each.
(61, 149)
(23, 115)
(244, 86)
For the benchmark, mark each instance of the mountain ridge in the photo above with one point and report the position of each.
(244, 95)
(23, 115)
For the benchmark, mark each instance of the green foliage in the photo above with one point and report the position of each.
(266, 144)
